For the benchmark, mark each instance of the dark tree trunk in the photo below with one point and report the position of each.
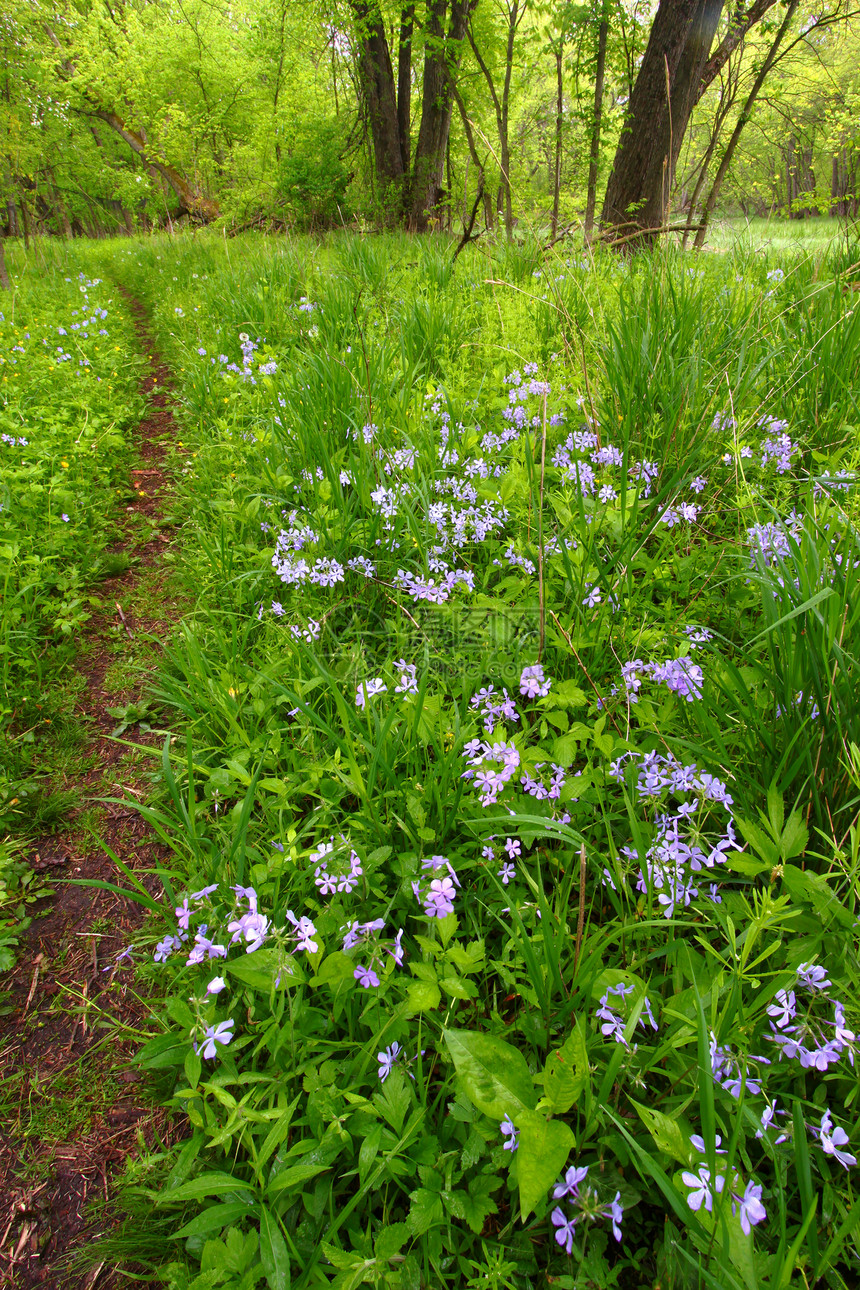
(419, 186)
(637, 195)
(594, 155)
(377, 82)
(5, 285)
(441, 64)
(404, 83)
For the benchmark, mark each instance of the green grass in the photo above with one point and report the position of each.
(723, 640)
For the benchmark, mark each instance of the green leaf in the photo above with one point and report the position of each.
(763, 846)
(215, 1218)
(422, 996)
(260, 970)
(493, 1074)
(209, 1184)
(666, 1133)
(425, 1210)
(542, 1154)
(273, 1252)
(391, 1241)
(293, 1176)
(565, 1074)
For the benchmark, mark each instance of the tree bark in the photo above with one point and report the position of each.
(377, 82)
(594, 155)
(641, 179)
(5, 284)
(404, 83)
(441, 64)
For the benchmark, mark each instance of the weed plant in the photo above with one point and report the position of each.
(512, 785)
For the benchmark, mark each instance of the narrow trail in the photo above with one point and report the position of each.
(66, 1038)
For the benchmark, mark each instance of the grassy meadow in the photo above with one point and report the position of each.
(511, 782)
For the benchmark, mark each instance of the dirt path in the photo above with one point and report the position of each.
(72, 1109)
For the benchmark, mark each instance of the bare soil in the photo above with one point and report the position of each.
(75, 1021)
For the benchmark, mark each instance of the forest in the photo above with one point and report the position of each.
(429, 645)
(451, 115)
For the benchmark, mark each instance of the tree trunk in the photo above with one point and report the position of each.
(191, 200)
(404, 83)
(638, 191)
(741, 122)
(441, 63)
(5, 284)
(559, 120)
(594, 155)
(377, 83)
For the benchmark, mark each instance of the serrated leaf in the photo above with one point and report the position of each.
(458, 987)
(764, 846)
(391, 1241)
(493, 1074)
(422, 996)
(425, 1210)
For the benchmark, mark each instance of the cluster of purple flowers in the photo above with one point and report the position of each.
(374, 950)
(812, 1040)
(493, 707)
(704, 1189)
(491, 767)
(613, 1022)
(593, 471)
(680, 675)
(584, 1205)
(437, 895)
(347, 870)
(686, 839)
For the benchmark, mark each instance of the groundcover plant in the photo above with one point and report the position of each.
(510, 935)
(68, 394)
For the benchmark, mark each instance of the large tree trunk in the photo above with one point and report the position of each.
(441, 64)
(637, 196)
(594, 155)
(377, 83)
(5, 285)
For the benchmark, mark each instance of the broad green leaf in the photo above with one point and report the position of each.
(215, 1219)
(542, 1154)
(293, 1176)
(566, 1071)
(209, 1184)
(492, 1073)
